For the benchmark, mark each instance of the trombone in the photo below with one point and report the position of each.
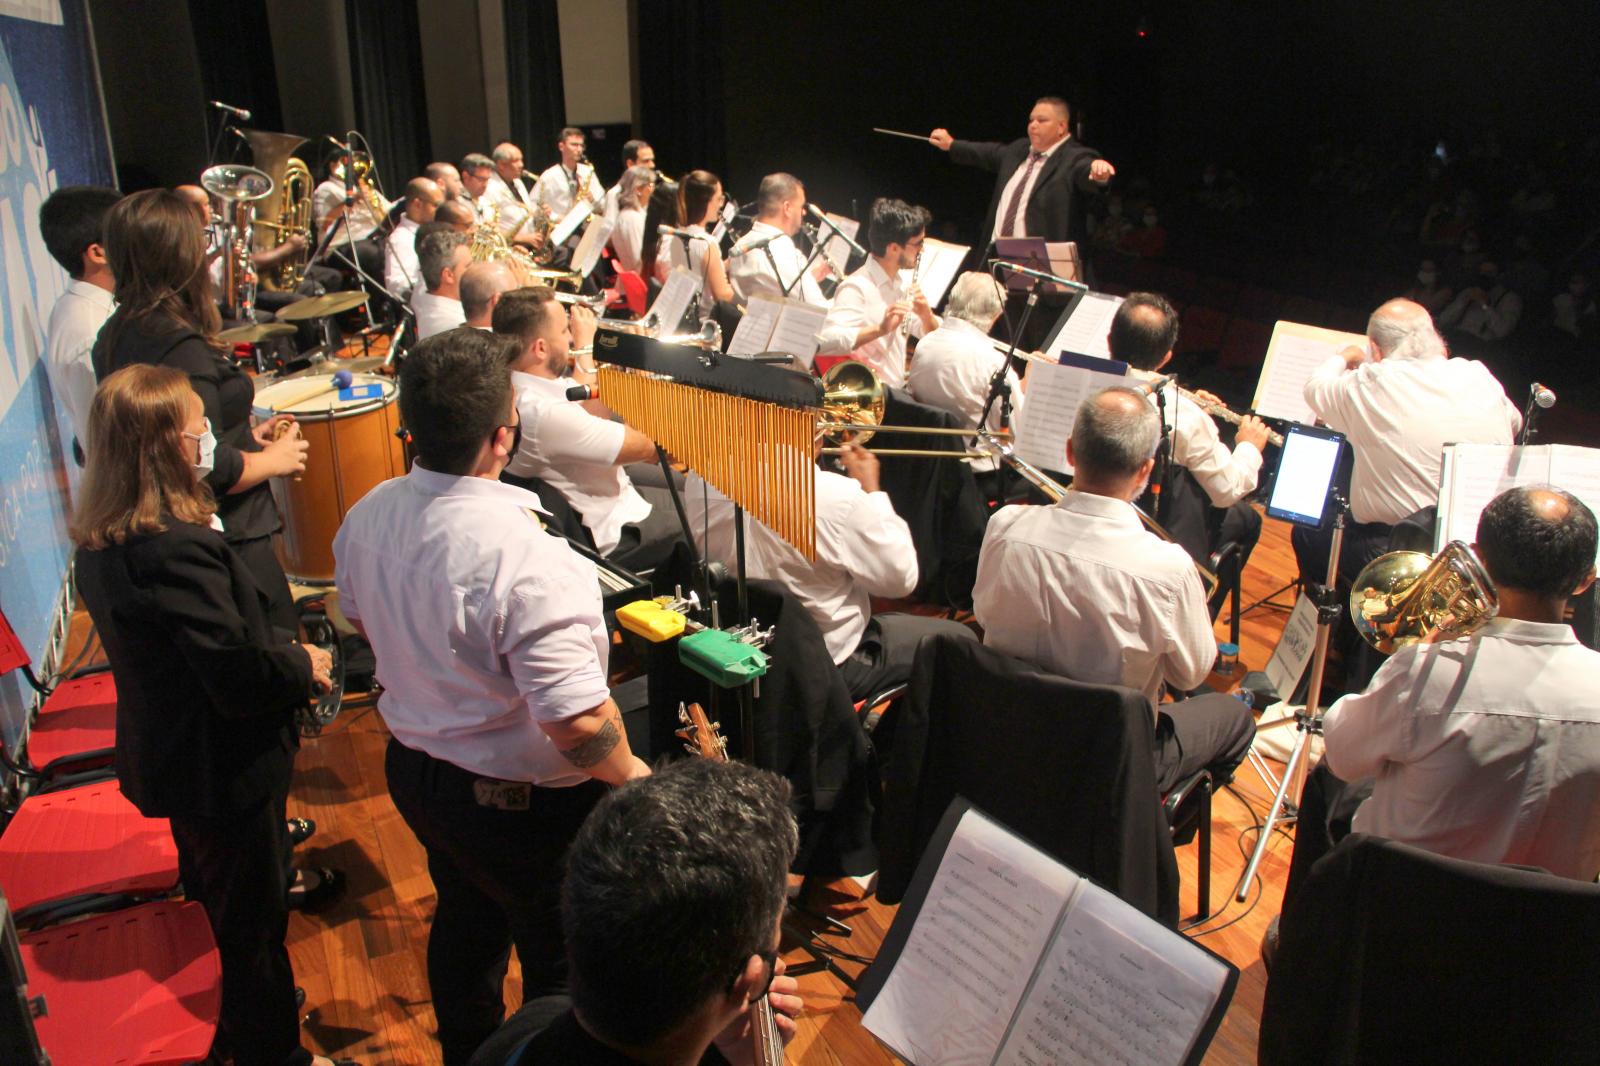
(852, 403)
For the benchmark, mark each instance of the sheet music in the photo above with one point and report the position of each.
(1578, 471)
(589, 247)
(1295, 351)
(796, 330)
(1055, 393)
(1115, 989)
(1474, 474)
(1064, 261)
(674, 299)
(837, 248)
(988, 915)
(1086, 330)
(563, 230)
(754, 331)
(941, 261)
(730, 211)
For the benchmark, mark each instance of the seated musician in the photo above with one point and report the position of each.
(675, 885)
(1081, 589)
(442, 257)
(514, 195)
(1399, 402)
(575, 451)
(402, 273)
(482, 285)
(864, 549)
(1485, 747)
(700, 203)
(1143, 334)
(627, 234)
(476, 171)
(956, 362)
(363, 221)
(635, 153)
(868, 319)
(458, 215)
(446, 176)
(765, 261)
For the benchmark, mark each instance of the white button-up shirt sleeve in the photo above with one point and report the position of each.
(568, 432)
(848, 316)
(1192, 650)
(871, 542)
(547, 639)
(402, 271)
(1365, 730)
(1227, 477)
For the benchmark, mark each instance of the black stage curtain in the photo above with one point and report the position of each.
(533, 79)
(680, 66)
(386, 75)
(234, 47)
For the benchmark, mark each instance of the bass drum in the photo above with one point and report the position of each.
(354, 447)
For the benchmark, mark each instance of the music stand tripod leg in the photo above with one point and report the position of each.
(1309, 721)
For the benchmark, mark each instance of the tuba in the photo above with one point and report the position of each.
(1404, 597)
(286, 210)
(239, 189)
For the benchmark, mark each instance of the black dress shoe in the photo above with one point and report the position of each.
(317, 886)
(299, 998)
(301, 830)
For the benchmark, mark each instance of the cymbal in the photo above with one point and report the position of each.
(321, 306)
(256, 331)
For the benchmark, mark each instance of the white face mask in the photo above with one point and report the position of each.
(208, 450)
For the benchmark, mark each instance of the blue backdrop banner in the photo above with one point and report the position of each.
(52, 133)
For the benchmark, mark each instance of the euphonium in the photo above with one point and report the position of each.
(239, 188)
(1403, 597)
(286, 210)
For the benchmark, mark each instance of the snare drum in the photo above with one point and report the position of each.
(353, 448)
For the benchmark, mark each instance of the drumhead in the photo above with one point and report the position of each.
(316, 398)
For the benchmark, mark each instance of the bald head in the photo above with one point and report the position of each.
(1403, 329)
(481, 286)
(423, 197)
(446, 176)
(1539, 540)
(455, 214)
(1113, 440)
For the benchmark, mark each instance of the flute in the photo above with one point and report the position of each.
(1221, 411)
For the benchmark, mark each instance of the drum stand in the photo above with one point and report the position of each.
(1308, 721)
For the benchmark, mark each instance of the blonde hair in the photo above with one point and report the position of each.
(138, 468)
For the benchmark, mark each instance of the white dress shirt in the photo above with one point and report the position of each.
(1398, 415)
(752, 274)
(513, 200)
(329, 196)
(862, 300)
(1227, 477)
(483, 624)
(575, 453)
(402, 271)
(952, 371)
(628, 237)
(611, 204)
(435, 314)
(75, 322)
(864, 549)
(1020, 228)
(1083, 590)
(1485, 748)
(558, 189)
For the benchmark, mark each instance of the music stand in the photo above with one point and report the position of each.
(1305, 492)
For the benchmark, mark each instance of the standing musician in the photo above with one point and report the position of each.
(514, 194)
(476, 171)
(870, 308)
(402, 272)
(675, 886)
(765, 261)
(71, 223)
(569, 181)
(1082, 589)
(492, 653)
(1399, 402)
(1037, 179)
(864, 549)
(1143, 334)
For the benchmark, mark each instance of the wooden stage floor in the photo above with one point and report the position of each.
(362, 961)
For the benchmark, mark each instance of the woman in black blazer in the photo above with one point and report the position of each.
(167, 316)
(206, 692)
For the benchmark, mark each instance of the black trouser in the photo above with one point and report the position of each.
(1363, 542)
(257, 554)
(1211, 732)
(234, 868)
(496, 868)
(1327, 807)
(888, 647)
(1241, 524)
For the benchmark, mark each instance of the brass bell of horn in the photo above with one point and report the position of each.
(1404, 597)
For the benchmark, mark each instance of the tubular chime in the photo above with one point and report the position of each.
(748, 430)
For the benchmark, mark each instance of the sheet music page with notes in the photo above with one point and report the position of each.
(1086, 330)
(796, 330)
(1474, 474)
(590, 245)
(674, 299)
(941, 260)
(1055, 393)
(987, 918)
(1116, 989)
(1293, 354)
(755, 327)
(570, 222)
(837, 248)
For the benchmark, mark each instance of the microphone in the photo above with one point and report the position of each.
(1018, 268)
(237, 132)
(578, 393)
(1545, 398)
(821, 216)
(674, 231)
(1154, 385)
(750, 243)
(337, 143)
(239, 112)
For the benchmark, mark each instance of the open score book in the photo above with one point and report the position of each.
(1001, 955)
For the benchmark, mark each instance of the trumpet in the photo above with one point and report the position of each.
(594, 303)
(1221, 411)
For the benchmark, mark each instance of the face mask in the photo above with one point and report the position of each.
(1427, 277)
(208, 450)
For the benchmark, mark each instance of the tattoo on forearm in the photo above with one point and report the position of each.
(594, 751)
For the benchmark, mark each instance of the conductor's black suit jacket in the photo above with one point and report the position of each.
(1056, 207)
(205, 694)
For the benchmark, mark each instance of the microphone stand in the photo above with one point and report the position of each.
(1000, 389)
(1163, 454)
(1530, 413)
